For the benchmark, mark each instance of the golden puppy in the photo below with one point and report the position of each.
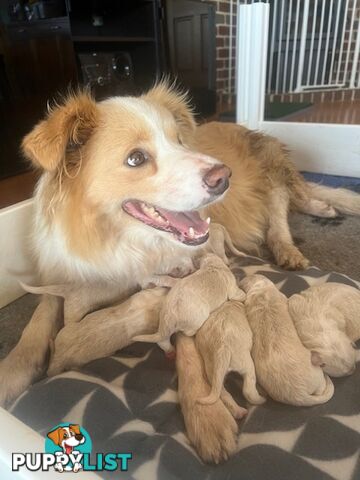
(102, 333)
(210, 428)
(79, 299)
(224, 342)
(327, 321)
(192, 299)
(283, 365)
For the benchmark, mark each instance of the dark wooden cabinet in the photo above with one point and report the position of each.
(39, 58)
(42, 56)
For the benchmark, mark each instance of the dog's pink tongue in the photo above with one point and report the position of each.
(68, 449)
(182, 221)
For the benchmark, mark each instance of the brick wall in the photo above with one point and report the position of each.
(224, 49)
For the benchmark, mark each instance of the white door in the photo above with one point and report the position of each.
(313, 46)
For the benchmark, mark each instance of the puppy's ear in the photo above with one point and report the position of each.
(177, 103)
(316, 359)
(67, 126)
(55, 436)
(75, 429)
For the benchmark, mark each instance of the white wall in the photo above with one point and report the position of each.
(15, 258)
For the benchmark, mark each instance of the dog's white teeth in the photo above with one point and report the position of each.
(208, 220)
(191, 232)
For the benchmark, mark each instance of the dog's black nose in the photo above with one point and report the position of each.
(79, 437)
(217, 179)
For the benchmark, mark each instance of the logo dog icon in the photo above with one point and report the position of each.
(68, 438)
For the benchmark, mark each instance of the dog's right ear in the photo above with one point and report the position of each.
(55, 436)
(67, 126)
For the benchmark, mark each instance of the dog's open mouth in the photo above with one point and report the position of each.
(68, 449)
(187, 227)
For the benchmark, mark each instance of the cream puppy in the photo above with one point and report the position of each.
(102, 333)
(219, 241)
(192, 299)
(283, 365)
(327, 321)
(79, 299)
(224, 342)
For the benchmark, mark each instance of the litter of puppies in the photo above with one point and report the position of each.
(289, 347)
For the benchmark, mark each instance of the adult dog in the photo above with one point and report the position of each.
(118, 200)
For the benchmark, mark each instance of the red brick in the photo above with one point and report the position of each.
(224, 7)
(223, 30)
(220, 42)
(220, 64)
(222, 52)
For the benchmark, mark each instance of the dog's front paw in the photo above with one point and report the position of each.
(212, 431)
(77, 467)
(59, 467)
(290, 258)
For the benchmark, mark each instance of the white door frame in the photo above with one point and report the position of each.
(318, 147)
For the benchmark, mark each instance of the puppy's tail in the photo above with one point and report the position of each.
(56, 290)
(217, 381)
(311, 400)
(342, 199)
(230, 246)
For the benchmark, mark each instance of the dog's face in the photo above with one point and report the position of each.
(127, 162)
(67, 437)
(338, 357)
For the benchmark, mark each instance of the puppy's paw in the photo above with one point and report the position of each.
(290, 258)
(212, 430)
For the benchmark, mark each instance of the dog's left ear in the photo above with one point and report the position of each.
(177, 103)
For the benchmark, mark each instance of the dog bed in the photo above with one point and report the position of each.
(128, 403)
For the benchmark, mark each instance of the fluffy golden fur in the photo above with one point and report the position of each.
(225, 342)
(327, 321)
(192, 299)
(284, 367)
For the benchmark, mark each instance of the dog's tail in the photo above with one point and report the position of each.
(56, 290)
(217, 381)
(310, 400)
(229, 244)
(342, 199)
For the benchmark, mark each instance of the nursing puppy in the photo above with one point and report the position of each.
(79, 299)
(219, 241)
(283, 365)
(102, 333)
(327, 320)
(192, 299)
(224, 342)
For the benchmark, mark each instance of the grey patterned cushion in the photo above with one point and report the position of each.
(128, 402)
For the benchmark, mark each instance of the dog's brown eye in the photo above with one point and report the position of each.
(65, 435)
(136, 158)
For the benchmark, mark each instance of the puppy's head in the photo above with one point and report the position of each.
(337, 356)
(209, 260)
(128, 161)
(255, 283)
